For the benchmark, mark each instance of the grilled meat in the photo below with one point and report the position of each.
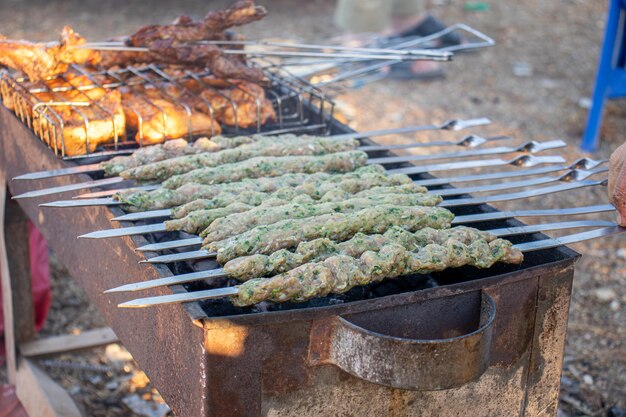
(43, 60)
(160, 171)
(270, 167)
(338, 274)
(79, 128)
(315, 185)
(155, 116)
(185, 29)
(171, 149)
(225, 227)
(202, 221)
(318, 250)
(250, 107)
(173, 44)
(338, 226)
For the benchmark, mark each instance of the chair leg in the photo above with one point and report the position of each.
(603, 77)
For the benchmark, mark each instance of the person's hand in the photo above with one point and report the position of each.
(617, 183)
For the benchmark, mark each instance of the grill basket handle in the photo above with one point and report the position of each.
(412, 364)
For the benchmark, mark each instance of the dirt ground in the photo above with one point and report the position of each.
(556, 42)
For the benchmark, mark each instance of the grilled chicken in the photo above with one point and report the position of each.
(84, 127)
(43, 60)
(155, 116)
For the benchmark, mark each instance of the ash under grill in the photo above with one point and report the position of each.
(297, 106)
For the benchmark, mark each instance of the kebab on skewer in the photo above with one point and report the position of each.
(315, 185)
(338, 274)
(269, 146)
(248, 267)
(207, 222)
(270, 167)
(289, 233)
(319, 187)
(362, 261)
(167, 150)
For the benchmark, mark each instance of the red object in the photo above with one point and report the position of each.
(40, 274)
(40, 279)
(9, 404)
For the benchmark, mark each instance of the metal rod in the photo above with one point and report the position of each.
(125, 231)
(529, 147)
(142, 215)
(427, 52)
(82, 203)
(522, 160)
(498, 215)
(455, 124)
(570, 177)
(151, 214)
(566, 240)
(583, 163)
(203, 254)
(71, 187)
(535, 192)
(178, 257)
(470, 141)
(232, 291)
(406, 55)
(108, 193)
(82, 169)
(172, 244)
(220, 273)
(470, 218)
(180, 298)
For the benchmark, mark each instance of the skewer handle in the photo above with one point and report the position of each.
(566, 240)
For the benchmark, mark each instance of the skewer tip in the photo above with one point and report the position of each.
(121, 288)
(131, 304)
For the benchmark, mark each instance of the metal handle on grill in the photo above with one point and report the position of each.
(406, 363)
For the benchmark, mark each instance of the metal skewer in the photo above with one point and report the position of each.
(220, 273)
(568, 178)
(232, 291)
(426, 52)
(535, 192)
(469, 218)
(583, 163)
(454, 125)
(522, 160)
(112, 192)
(70, 187)
(470, 141)
(528, 147)
(405, 55)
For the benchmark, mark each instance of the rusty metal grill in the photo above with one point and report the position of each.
(299, 106)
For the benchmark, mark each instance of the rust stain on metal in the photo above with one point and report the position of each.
(321, 333)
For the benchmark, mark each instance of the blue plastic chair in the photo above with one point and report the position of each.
(611, 76)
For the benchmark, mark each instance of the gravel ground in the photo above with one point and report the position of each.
(557, 41)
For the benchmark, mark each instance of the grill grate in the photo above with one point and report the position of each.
(299, 107)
